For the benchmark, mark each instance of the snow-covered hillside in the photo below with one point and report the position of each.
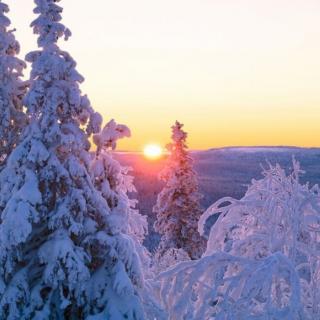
(222, 172)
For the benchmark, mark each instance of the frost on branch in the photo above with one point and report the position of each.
(178, 209)
(12, 88)
(164, 260)
(262, 259)
(222, 286)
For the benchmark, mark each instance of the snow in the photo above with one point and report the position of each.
(261, 258)
(72, 236)
(223, 286)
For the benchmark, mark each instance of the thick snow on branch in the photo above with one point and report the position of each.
(110, 134)
(262, 258)
(223, 286)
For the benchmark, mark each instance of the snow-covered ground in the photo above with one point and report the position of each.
(222, 172)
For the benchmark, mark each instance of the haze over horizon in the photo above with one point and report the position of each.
(236, 73)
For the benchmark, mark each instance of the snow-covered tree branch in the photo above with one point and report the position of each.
(262, 258)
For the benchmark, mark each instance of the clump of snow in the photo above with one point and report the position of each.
(110, 134)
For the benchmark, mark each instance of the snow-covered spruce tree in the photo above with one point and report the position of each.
(12, 88)
(114, 182)
(262, 259)
(178, 205)
(61, 256)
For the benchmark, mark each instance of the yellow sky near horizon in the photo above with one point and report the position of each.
(235, 72)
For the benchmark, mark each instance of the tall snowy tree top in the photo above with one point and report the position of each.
(55, 97)
(180, 163)
(12, 88)
(48, 25)
(177, 133)
(178, 137)
(179, 169)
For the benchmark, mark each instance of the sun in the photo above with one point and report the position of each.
(152, 151)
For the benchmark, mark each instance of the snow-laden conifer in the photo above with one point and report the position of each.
(114, 182)
(61, 256)
(12, 87)
(178, 204)
(262, 259)
(125, 224)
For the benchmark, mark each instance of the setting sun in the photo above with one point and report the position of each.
(152, 151)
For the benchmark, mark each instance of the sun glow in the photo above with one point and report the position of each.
(152, 151)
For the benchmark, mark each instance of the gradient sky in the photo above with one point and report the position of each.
(236, 72)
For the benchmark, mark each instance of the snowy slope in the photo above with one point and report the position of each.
(222, 172)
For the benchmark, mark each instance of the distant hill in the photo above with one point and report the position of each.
(222, 172)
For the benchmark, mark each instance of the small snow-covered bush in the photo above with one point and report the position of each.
(262, 258)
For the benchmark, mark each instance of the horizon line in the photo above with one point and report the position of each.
(235, 147)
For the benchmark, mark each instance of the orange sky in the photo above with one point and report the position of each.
(236, 72)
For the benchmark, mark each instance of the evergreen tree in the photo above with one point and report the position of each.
(12, 88)
(124, 223)
(114, 182)
(61, 255)
(178, 205)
